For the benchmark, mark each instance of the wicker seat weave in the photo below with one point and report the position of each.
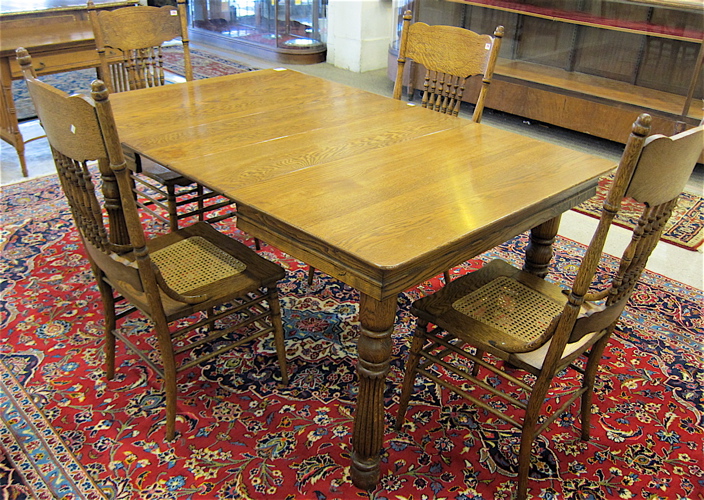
(510, 307)
(198, 263)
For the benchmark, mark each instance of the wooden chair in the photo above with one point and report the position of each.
(450, 55)
(204, 293)
(138, 34)
(526, 323)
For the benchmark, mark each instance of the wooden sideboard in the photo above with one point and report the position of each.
(59, 38)
(587, 65)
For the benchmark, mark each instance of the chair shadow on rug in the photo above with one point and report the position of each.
(526, 324)
(204, 292)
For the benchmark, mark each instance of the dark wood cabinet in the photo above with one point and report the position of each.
(588, 65)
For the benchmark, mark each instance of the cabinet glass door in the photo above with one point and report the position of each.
(286, 25)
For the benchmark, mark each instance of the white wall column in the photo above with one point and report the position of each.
(359, 34)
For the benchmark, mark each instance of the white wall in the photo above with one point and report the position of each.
(359, 34)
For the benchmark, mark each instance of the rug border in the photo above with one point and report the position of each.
(71, 472)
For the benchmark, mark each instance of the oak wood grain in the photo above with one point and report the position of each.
(377, 193)
(477, 197)
(324, 146)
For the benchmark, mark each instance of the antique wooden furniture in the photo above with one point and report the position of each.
(61, 39)
(449, 55)
(591, 66)
(527, 323)
(137, 34)
(186, 282)
(319, 176)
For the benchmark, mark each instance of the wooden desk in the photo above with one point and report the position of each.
(377, 193)
(59, 38)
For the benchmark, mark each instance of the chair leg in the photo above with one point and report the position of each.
(446, 276)
(171, 204)
(201, 203)
(528, 434)
(524, 463)
(588, 383)
(475, 368)
(410, 375)
(168, 360)
(275, 307)
(108, 299)
(311, 275)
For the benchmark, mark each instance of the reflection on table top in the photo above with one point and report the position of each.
(370, 184)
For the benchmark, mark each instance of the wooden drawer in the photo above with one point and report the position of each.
(62, 60)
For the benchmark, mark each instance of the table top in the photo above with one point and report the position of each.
(369, 189)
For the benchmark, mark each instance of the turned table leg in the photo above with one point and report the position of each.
(374, 352)
(539, 250)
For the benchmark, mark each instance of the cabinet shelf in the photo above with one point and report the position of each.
(587, 19)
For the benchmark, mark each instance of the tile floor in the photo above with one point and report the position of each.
(679, 264)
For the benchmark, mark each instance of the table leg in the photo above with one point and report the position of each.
(9, 127)
(539, 250)
(374, 352)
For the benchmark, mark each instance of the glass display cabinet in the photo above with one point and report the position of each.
(587, 65)
(291, 31)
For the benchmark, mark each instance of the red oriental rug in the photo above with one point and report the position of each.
(67, 432)
(684, 229)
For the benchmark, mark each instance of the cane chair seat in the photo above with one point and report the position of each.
(498, 303)
(501, 319)
(203, 292)
(205, 264)
(206, 269)
(503, 310)
(138, 34)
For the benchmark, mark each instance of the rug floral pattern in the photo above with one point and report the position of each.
(241, 434)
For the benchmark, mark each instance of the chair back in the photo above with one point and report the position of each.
(450, 55)
(653, 171)
(138, 34)
(81, 131)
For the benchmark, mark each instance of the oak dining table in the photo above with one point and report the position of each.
(378, 193)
